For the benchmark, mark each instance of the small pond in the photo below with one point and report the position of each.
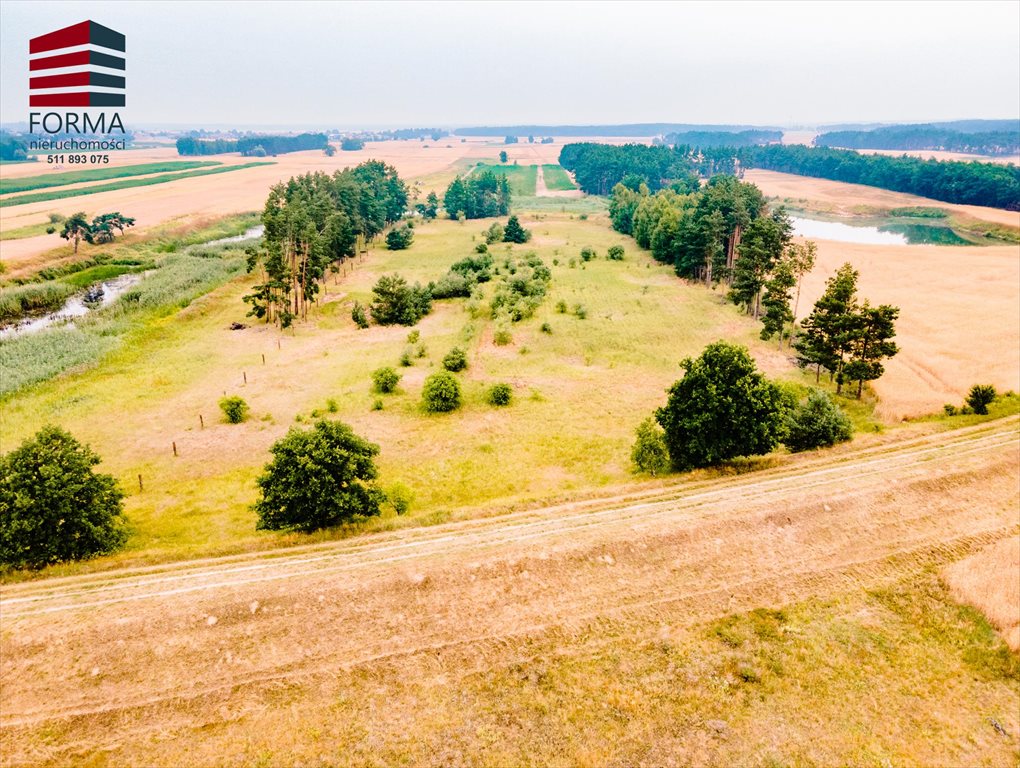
(880, 232)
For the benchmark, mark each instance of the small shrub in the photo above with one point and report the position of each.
(980, 397)
(481, 248)
(514, 232)
(413, 337)
(359, 316)
(649, 453)
(377, 404)
(385, 380)
(561, 307)
(407, 357)
(502, 337)
(556, 262)
(441, 393)
(546, 328)
(455, 360)
(332, 406)
(572, 263)
(235, 409)
(587, 253)
(580, 312)
(420, 351)
(816, 423)
(615, 253)
(583, 217)
(400, 498)
(950, 410)
(500, 394)
(494, 234)
(400, 238)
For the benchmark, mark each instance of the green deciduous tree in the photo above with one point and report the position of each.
(53, 505)
(649, 453)
(441, 393)
(815, 423)
(722, 408)
(318, 478)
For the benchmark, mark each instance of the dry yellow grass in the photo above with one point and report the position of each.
(990, 581)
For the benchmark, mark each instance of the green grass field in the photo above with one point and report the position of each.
(579, 391)
(521, 177)
(29, 183)
(58, 194)
(556, 179)
(31, 230)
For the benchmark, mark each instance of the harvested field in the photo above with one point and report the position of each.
(989, 580)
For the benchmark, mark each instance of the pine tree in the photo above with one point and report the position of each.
(777, 302)
(825, 333)
(870, 331)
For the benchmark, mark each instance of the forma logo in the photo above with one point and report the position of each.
(80, 67)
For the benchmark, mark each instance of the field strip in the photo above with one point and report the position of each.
(101, 581)
(498, 532)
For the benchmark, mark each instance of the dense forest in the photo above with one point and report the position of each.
(950, 181)
(923, 137)
(600, 167)
(313, 222)
(723, 138)
(253, 146)
(479, 196)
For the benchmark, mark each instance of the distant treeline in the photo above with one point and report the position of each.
(599, 167)
(968, 183)
(253, 146)
(631, 129)
(12, 148)
(724, 138)
(924, 137)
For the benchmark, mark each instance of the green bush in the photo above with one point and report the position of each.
(481, 248)
(235, 409)
(949, 409)
(546, 328)
(441, 393)
(502, 336)
(53, 506)
(580, 312)
(615, 253)
(332, 406)
(817, 422)
(587, 253)
(514, 232)
(500, 394)
(400, 238)
(318, 478)
(494, 234)
(649, 453)
(980, 397)
(561, 307)
(455, 360)
(400, 498)
(395, 302)
(385, 380)
(414, 337)
(407, 357)
(358, 315)
(377, 404)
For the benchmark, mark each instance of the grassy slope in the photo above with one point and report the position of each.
(521, 177)
(58, 194)
(28, 183)
(556, 179)
(613, 367)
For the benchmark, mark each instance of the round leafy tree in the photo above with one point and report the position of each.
(501, 394)
(817, 422)
(385, 380)
(318, 478)
(53, 506)
(441, 393)
(722, 408)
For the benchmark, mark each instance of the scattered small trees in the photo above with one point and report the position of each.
(649, 453)
(722, 408)
(235, 409)
(103, 226)
(816, 422)
(455, 360)
(502, 156)
(385, 380)
(318, 478)
(980, 397)
(477, 197)
(441, 393)
(53, 506)
(394, 301)
(514, 232)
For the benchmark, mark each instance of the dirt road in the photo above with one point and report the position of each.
(118, 662)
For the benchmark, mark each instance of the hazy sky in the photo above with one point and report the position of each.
(415, 64)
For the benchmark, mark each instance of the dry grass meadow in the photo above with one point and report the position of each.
(538, 604)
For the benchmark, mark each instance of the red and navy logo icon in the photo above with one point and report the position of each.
(78, 66)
